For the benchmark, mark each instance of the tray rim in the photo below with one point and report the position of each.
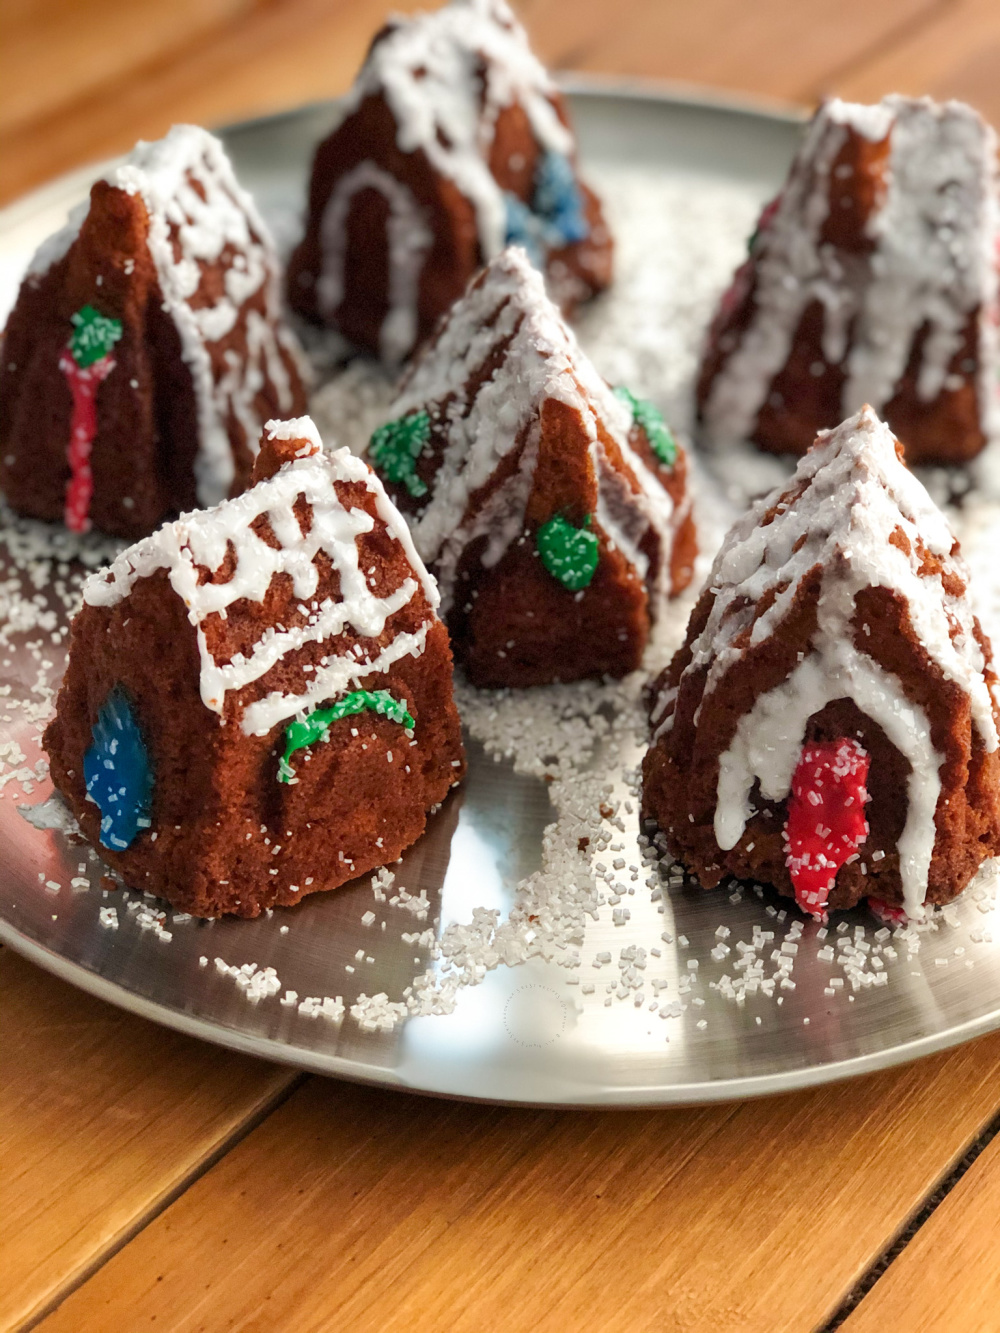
(676, 94)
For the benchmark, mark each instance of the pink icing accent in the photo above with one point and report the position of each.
(826, 818)
(83, 382)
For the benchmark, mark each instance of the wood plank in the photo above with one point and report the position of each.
(277, 56)
(353, 1208)
(958, 56)
(103, 1117)
(269, 57)
(782, 50)
(948, 1275)
(56, 51)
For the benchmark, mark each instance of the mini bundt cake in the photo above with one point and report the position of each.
(872, 278)
(146, 348)
(830, 724)
(258, 702)
(553, 511)
(453, 142)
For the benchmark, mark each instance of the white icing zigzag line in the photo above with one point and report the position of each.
(203, 539)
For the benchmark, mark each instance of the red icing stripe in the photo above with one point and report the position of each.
(826, 818)
(83, 382)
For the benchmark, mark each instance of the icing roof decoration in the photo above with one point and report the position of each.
(205, 539)
(932, 236)
(198, 213)
(506, 314)
(856, 512)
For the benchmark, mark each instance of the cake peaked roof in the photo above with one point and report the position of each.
(198, 216)
(446, 76)
(854, 512)
(507, 321)
(915, 252)
(206, 539)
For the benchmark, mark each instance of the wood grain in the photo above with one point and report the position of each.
(772, 47)
(957, 56)
(57, 51)
(271, 57)
(103, 1116)
(355, 1209)
(948, 1277)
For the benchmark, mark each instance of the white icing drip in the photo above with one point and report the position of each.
(203, 539)
(934, 263)
(768, 744)
(855, 494)
(186, 232)
(428, 69)
(409, 238)
(542, 360)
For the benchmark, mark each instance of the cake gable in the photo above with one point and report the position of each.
(453, 142)
(505, 440)
(839, 602)
(871, 279)
(258, 703)
(290, 542)
(172, 255)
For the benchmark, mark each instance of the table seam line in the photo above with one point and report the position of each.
(912, 1224)
(160, 1204)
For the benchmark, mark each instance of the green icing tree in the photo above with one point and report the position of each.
(93, 337)
(569, 554)
(395, 448)
(650, 418)
(299, 735)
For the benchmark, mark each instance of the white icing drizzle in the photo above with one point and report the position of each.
(933, 262)
(855, 494)
(196, 209)
(202, 539)
(409, 239)
(542, 359)
(428, 69)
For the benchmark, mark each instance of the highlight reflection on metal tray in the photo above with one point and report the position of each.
(522, 1035)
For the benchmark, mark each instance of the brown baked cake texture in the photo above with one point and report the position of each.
(553, 511)
(258, 702)
(871, 278)
(147, 348)
(829, 726)
(453, 142)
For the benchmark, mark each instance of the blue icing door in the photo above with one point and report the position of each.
(117, 772)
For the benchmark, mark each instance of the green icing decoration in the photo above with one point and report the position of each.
(569, 554)
(299, 735)
(94, 335)
(395, 448)
(650, 418)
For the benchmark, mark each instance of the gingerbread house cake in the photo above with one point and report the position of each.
(830, 724)
(553, 511)
(452, 142)
(872, 278)
(147, 347)
(258, 702)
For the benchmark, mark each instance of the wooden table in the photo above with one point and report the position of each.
(150, 1182)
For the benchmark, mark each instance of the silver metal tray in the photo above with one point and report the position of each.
(542, 1031)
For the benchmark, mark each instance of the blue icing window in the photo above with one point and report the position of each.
(558, 199)
(523, 228)
(117, 773)
(556, 216)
